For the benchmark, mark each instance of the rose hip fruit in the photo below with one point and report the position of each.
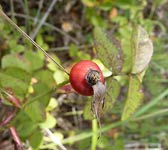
(84, 75)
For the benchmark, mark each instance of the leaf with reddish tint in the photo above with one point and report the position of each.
(16, 137)
(14, 100)
(7, 119)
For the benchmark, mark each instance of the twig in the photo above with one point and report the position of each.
(32, 41)
(55, 139)
(67, 48)
(12, 9)
(16, 137)
(38, 12)
(9, 117)
(48, 25)
(26, 10)
(34, 33)
(12, 99)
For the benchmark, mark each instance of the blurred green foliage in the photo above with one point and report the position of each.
(35, 80)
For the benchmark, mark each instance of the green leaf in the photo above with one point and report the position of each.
(50, 122)
(119, 142)
(134, 97)
(52, 104)
(35, 111)
(36, 139)
(15, 60)
(73, 50)
(51, 65)
(142, 50)
(126, 37)
(89, 3)
(46, 77)
(106, 72)
(60, 77)
(113, 90)
(16, 79)
(108, 50)
(35, 61)
(25, 126)
(15, 47)
(42, 93)
(88, 115)
(37, 102)
(77, 54)
(40, 41)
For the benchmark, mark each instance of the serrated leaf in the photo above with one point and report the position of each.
(109, 51)
(16, 79)
(113, 90)
(134, 97)
(142, 49)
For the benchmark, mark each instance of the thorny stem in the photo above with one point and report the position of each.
(31, 40)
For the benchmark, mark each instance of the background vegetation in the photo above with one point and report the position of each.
(41, 101)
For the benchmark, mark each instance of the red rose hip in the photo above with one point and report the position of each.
(84, 75)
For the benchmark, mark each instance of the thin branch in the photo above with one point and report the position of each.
(38, 11)
(16, 137)
(65, 48)
(12, 99)
(34, 33)
(55, 139)
(46, 24)
(9, 117)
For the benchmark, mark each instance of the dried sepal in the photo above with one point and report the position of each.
(98, 101)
